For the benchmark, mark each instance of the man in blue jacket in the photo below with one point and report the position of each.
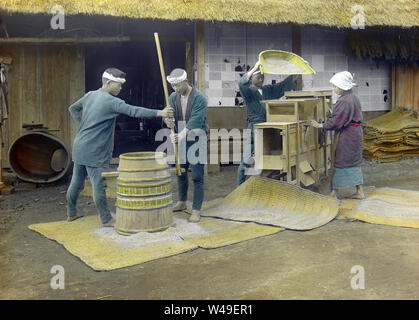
(96, 114)
(253, 92)
(190, 125)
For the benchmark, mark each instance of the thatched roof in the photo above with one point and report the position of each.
(333, 13)
(399, 47)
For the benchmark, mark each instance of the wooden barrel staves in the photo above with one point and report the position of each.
(144, 197)
(39, 157)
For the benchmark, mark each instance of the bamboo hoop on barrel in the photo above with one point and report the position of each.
(144, 196)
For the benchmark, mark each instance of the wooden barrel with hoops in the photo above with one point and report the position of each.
(144, 196)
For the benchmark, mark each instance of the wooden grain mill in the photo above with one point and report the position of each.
(286, 144)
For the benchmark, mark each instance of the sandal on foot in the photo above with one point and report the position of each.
(358, 197)
(69, 219)
(110, 223)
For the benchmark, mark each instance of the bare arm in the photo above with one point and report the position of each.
(253, 70)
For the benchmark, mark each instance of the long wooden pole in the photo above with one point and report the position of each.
(166, 96)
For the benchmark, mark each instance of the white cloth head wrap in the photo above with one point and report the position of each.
(343, 80)
(180, 77)
(108, 76)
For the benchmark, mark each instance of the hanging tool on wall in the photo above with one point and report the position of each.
(4, 103)
(166, 96)
(5, 63)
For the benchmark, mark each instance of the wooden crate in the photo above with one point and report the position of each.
(291, 109)
(324, 106)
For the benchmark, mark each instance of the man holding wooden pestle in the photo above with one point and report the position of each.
(96, 114)
(190, 108)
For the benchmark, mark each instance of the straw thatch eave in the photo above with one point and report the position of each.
(393, 45)
(331, 13)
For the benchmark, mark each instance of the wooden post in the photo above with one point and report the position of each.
(189, 62)
(393, 86)
(201, 55)
(296, 48)
(288, 136)
(298, 143)
(1, 163)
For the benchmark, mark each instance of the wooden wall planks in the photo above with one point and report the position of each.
(43, 81)
(407, 87)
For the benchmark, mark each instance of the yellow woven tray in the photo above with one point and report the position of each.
(283, 62)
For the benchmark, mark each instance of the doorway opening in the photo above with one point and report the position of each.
(143, 86)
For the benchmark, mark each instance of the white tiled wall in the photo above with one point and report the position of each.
(230, 46)
(230, 49)
(325, 50)
(374, 84)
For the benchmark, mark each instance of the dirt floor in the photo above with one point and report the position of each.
(314, 264)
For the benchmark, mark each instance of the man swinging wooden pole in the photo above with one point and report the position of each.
(189, 129)
(96, 113)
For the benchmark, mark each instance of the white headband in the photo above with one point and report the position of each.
(176, 80)
(112, 78)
